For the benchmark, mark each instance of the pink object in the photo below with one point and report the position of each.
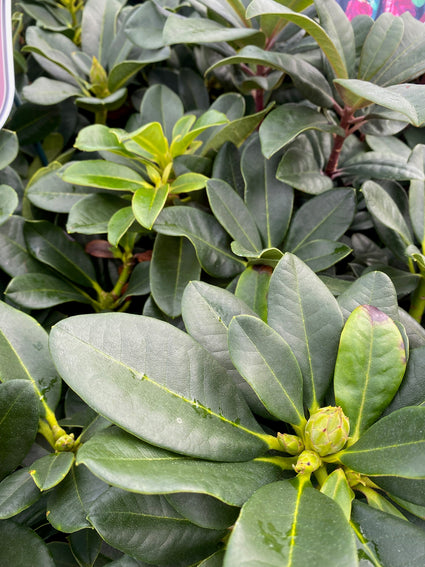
(7, 79)
(398, 7)
(358, 7)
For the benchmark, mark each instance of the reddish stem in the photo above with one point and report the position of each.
(346, 120)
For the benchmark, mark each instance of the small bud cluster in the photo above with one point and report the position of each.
(327, 430)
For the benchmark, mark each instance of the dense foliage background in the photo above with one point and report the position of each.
(212, 279)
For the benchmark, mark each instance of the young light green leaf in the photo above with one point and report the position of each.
(50, 470)
(116, 362)
(211, 242)
(148, 202)
(305, 313)
(104, 174)
(188, 182)
(369, 367)
(336, 487)
(393, 446)
(174, 264)
(124, 461)
(119, 223)
(150, 529)
(282, 526)
(232, 213)
(267, 363)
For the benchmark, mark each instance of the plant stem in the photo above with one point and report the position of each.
(100, 116)
(417, 306)
(346, 120)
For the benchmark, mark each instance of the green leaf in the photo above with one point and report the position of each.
(336, 487)
(48, 191)
(393, 446)
(405, 99)
(174, 264)
(122, 73)
(50, 470)
(204, 510)
(282, 526)
(373, 288)
(107, 364)
(98, 137)
(98, 27)
(150, 138)
(408, 489)
(379, 165)
(150, 529)
(307, 79)
(268, 199)
(128, 463)
(139, 282)
(17, 493)
(188, 182)
(38, 291)
(417, 197)
(119, 224)
(33, 124)
(322, 254)
(299, 169)
(258, 353)
(103, 174)
(92, 214)
(330, 49)
(9, 147)
(285, 123)
(148, 202)
(338, 27)
(412, 390)
(227, 167)
(85, 545)
(24, 353)
(378, 528)
(50, 245)
(328, 216)
(19, 415)
(44, 91)
(31, 549)
(215, 560)
(232, 213)
(369, 367)
(253, 287)
(385, 210)
(211, 242)
(305, 313)
(9, 201)
(68, 504)
(178, 29)
(149, 17)
(381, 42)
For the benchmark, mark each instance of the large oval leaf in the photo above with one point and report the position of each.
(21, 546)
(369, 367)
(268, 364)
(282, 525)
(124, 461)
(156, 382)
(18, 423)
(305, 313)
(149, 529)
(17, 492)
(394, 446)
(24, 353)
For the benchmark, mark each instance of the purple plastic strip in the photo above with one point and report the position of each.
(7, 79)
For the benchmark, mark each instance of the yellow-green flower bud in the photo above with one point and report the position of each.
(291, 444)
(308, 462)
(327, 430)
(65, 443)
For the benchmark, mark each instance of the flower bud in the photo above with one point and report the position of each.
(64, 443)
(327, 430)
(308, 462)
(291, 444)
